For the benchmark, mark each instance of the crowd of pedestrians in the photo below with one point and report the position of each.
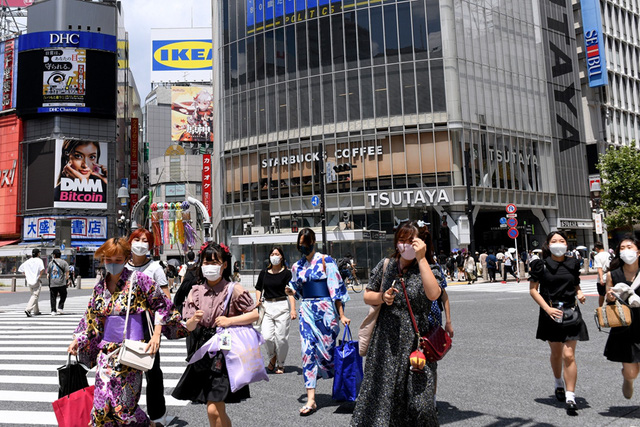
(409, 283)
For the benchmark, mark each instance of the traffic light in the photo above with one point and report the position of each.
(345, 167)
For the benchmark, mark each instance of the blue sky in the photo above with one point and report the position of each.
(142, 15)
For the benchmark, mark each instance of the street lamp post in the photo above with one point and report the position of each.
(122, 220)
(320, 174)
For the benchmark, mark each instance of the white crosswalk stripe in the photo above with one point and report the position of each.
(588, 287)
(31, 350)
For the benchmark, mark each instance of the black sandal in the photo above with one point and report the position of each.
(560, 395)
(272, 364)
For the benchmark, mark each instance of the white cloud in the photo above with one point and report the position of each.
(142, 15)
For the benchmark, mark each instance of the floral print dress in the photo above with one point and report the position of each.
(118, 387)
(319, 326)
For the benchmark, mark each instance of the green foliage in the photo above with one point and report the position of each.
(620, 172)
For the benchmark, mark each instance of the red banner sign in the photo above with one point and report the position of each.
(133, 179)
(8, 80)
(16, 3)
(206, 181)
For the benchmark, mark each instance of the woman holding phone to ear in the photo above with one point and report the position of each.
(391, 394)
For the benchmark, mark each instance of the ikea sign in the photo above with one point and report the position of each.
(182, 55)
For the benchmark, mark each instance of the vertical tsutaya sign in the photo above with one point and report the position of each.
(565, 107)
(64, 77)
(594, 43)
(80, 174)
(191, 114)
(133, 177)
(206, 182)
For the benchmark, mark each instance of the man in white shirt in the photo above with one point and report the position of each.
(33, 269)
(601, 263)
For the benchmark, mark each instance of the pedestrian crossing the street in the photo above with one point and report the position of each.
(31, 350)
(588, 287)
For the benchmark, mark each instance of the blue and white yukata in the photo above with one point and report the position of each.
(319, 319)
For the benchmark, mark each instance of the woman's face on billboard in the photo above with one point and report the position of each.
(83, 158)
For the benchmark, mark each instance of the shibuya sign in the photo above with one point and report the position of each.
(347, 153)
(410, 198)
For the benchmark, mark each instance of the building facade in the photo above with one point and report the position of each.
(77, 99)
(446, 111)
(612, 104)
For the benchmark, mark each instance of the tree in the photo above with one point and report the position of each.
(620, 172)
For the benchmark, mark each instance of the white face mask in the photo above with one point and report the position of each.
(139, 248)
(558, 249)
(212, 272)
(629, 256)
(406, 251)
(275, 259)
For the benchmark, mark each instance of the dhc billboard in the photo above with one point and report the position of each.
(594, 43)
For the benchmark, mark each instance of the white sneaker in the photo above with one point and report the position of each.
(165, 420)
(54, 313)
(60, 311)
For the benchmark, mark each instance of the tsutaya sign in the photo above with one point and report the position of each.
(347, 153)
(512, 156)
(424, 197)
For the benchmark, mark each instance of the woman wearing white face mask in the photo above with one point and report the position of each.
(391, 394)
(99, 335)
(555, 287)
(141, 241)
(623, 344)
(207, 381)
(280, 309)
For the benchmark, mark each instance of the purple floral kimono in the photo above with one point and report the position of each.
(118, 387)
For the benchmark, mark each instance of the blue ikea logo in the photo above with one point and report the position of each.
(172, 55)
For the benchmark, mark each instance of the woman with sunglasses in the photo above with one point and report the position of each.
(316, 280)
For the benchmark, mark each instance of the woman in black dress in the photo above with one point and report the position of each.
(280, 309)
(623, 344)
(555, 285)
(391, 394)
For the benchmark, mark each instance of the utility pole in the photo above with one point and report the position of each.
(320, 176)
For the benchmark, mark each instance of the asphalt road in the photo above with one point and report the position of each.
(497, 373)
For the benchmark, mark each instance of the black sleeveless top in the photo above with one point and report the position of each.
(617, 276)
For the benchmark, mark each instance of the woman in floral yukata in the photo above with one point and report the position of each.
(101, 330)
(316, 279)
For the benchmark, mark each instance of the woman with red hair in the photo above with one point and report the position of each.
(98, 337)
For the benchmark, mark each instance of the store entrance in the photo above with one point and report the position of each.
(84, 265)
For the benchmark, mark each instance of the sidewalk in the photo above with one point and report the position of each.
(511, 280)
(87, 283)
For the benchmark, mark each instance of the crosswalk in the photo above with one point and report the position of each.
(31, 350)
(588, 287)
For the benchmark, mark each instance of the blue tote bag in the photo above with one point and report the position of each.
(348, 369)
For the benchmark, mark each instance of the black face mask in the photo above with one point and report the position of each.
(305, 250)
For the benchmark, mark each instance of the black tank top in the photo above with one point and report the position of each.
(617, 276)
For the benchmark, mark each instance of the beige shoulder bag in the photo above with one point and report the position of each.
(132, 352)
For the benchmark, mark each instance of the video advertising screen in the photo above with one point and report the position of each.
(67, 80)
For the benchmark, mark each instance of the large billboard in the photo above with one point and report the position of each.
(594, 43)
(181, 55)
(265, 14)
(67, 72)
(191, 114)
(80, 174)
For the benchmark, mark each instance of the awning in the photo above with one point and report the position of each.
(88, 245)
(8, 242)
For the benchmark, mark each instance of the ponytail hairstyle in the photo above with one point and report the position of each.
(212, 251)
